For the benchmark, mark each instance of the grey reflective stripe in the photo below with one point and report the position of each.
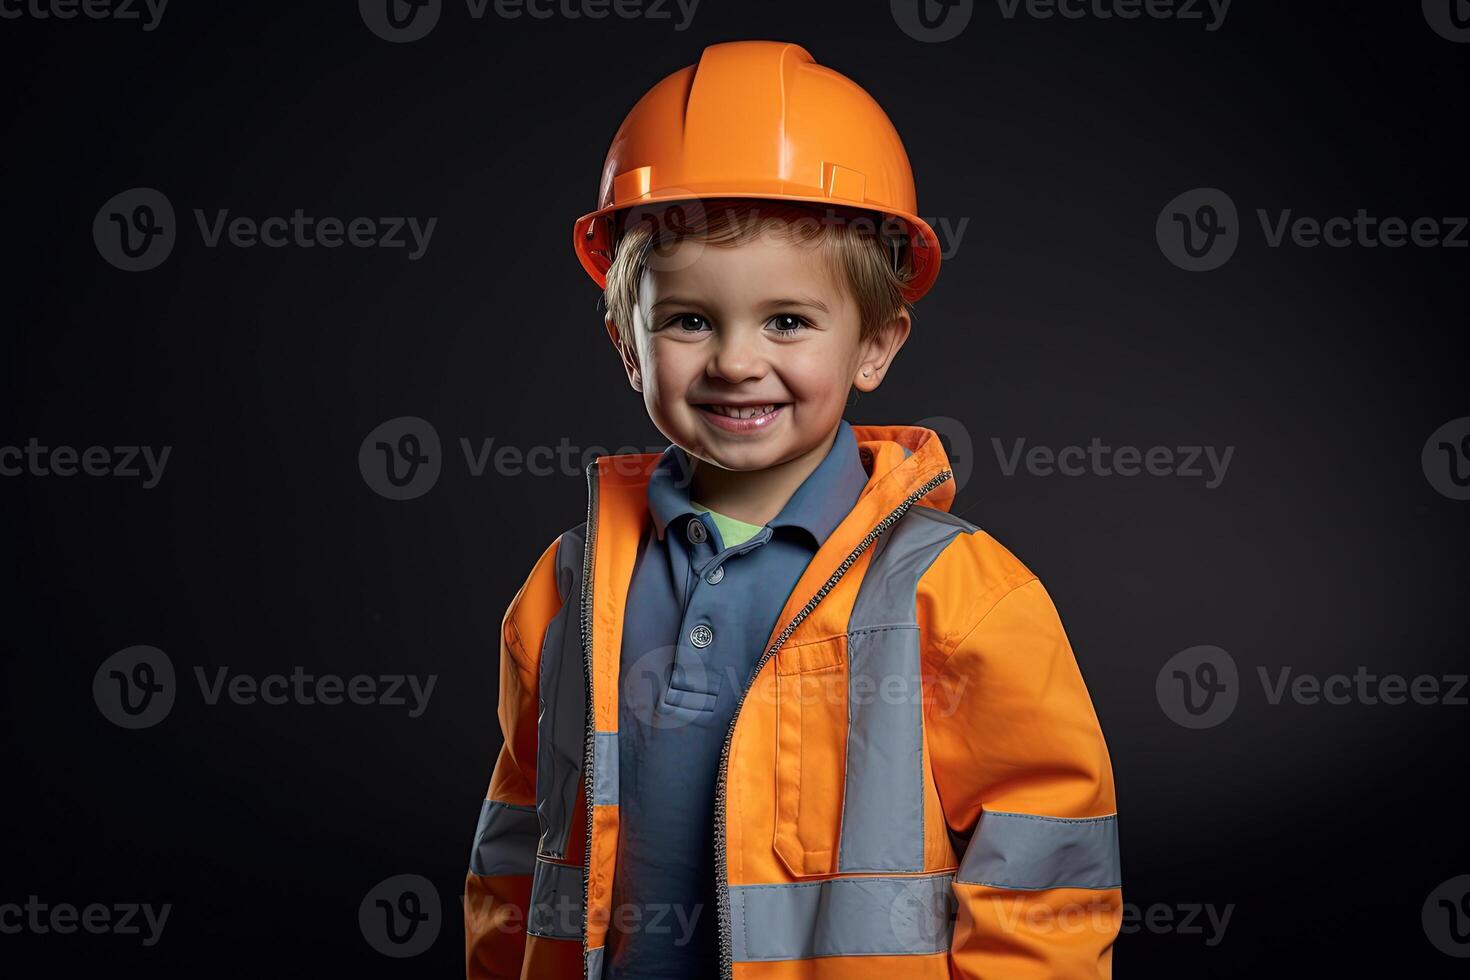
(863, 916)
(563, 697)
(556, 901)
(883, 789)
(594, 963)
(505, 840)
(605, 769)
(1027, 851)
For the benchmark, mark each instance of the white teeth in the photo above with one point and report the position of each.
(747, 412)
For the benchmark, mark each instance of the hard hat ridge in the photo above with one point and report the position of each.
(758, 120)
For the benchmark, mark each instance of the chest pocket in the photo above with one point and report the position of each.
(853, 793)
(811, 748)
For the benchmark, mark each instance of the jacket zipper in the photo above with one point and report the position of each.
(727, 951)
(589, 737)
(722, 888)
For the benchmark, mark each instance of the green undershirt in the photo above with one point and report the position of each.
(732, 532)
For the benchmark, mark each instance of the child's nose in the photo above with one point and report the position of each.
(737, 357)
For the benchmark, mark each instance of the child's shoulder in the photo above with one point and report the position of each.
(973, 571)
(554, 575)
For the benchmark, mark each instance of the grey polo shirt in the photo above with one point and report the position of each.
(697, 619)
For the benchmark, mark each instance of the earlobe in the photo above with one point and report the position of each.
(881, 351)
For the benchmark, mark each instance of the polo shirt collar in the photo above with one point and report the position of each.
(821, 502)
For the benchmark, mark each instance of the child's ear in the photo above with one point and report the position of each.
(879, 351)
(629, 359)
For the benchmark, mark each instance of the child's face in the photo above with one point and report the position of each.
(766, 323)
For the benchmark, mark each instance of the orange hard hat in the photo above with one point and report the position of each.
(758, 119)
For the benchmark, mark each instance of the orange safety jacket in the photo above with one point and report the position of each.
(914, 783)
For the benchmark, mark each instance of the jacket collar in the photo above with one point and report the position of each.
(821, 502)
(898, 460)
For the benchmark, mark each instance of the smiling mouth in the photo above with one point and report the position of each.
(742, 411)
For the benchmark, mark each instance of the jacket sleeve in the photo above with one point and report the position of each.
(1027, 790)
(497, 889)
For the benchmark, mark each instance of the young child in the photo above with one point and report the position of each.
(772, 711)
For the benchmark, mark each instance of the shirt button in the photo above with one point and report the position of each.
(713, 578)
(701, 636)
(696, 530)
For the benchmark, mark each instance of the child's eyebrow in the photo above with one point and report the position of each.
(674, 301)
(810, 303)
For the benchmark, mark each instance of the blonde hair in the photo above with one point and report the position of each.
(866, 250)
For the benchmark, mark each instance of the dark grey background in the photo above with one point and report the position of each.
(1056, 320)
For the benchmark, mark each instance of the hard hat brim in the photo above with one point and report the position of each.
(591, 236)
